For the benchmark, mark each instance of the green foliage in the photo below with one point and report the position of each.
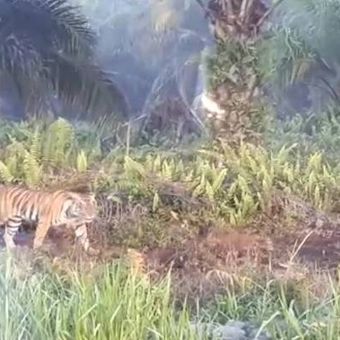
(312, 134)
(301, 48)
(118, 304)
(31, 152)
(287, 311)
(233, 62)
(284, 58)
(82, 162)
(5, 173)
(56, 58)
(215, 182)
(296, 58)
(233, 182)
(58, 142)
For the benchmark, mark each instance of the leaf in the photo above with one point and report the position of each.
(32, 170)
(59, 139)
(155, 202)
(166, 170)
(5, 173)
(82, 164)
(36, 146)
(209, 191)
(133, 167)
(54, 52)
(218, 181)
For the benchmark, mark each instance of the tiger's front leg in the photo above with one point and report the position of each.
(83, 239)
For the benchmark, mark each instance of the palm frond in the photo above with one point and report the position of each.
(48, 46)
(85, 86)
(49, 23)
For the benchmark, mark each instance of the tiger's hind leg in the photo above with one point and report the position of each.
(40, 234)
(11, 229)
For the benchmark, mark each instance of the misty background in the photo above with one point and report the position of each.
(154, 53)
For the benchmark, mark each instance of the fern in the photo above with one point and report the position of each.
(58, 142)
(15, 154)
(82, 163)
(36, 145)
(133, 168)
(32, 170)
(5, 173)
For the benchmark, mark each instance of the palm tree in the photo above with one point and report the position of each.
(234, 80)
(288, 48)
(47, 52)
(302, 56)
(153, 50)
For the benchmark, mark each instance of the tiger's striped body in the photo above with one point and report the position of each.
(47, 209)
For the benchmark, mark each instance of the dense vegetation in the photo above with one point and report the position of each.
(115, 302)
(212, 184)
(272, 166)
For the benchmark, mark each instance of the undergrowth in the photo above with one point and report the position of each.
(120, 305)
(188, 188)
(157, 197)
(117, 303)
(286, 310)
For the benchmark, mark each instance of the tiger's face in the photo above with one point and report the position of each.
(90, 208)
(85, 208)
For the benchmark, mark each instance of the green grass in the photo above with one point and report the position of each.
(286, 311)
(116, 303)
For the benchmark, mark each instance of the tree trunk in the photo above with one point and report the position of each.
(236, 26)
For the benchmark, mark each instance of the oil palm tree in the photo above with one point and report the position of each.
(153, 50)
(47, 50)
(295, 52)
(237, 26)
(302, 56)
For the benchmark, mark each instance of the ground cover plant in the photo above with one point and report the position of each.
(188, 211)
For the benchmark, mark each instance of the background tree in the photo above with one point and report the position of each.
(301, 58)
(153, 50)
(285, 50)
(47, 55)
(233, 73)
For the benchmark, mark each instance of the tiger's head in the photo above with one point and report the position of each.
(84, 207)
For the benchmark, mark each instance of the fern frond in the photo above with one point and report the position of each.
(36, 145)
(59, 139)
(82, 163)
(32, 170)
(5, 173)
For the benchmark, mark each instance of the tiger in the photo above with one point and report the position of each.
(46, 209)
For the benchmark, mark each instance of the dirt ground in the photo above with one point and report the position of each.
(216, 249)
(214, 254)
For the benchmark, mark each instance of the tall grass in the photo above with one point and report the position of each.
(119, 305)
(116, 303)
(286, 310)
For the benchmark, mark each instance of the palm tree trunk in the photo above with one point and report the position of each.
(235, 24)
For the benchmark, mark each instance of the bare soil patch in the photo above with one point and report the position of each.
(205, 263)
